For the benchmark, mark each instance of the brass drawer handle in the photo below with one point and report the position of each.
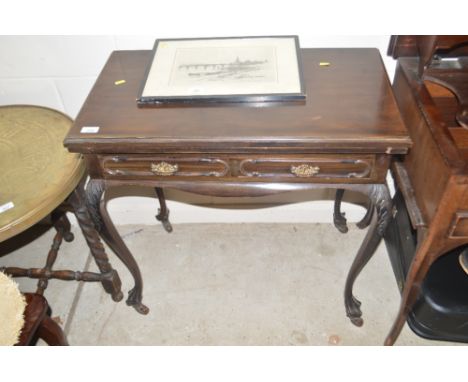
(164, 168)
(305, 170)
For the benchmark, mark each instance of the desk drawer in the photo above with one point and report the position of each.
(317, 167)
(164, 166)
(307, 168)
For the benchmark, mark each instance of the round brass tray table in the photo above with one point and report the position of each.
(39, 178)
(36, 172)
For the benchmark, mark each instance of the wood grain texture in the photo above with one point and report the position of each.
(349, 108)
(350, 168)
(414, 46)
(436, 164)
(425, 163)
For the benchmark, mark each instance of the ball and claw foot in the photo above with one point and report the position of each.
(164, 219)
(135, 301)
(340, 222)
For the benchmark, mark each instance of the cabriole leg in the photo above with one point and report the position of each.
(163, 212)
(339, 219)
(366, 220)
(380, 200)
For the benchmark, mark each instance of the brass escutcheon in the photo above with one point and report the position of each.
(305, 170)
(164, 168)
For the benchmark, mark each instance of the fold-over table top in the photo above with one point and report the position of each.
(349, 108)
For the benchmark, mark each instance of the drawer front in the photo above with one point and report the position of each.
(311, 168)
(307, 168)
(164, 166)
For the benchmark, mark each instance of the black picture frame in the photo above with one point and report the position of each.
(257, 98)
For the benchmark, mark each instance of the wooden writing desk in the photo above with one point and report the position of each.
(342, 137)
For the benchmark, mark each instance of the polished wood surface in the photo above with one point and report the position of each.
(349, 108)
(327, 168)
(453, 77)
(39, 324)
(429, 112)
(430, 45)
(436, 168)
(426, 46)
(36, 171)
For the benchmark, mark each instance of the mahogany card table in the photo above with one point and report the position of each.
(342, 137)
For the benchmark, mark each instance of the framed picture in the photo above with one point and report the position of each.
(231, 69)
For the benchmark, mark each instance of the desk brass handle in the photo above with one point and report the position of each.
(164, 168)
(305, 170)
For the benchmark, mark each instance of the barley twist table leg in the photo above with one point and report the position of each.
(98, 208)
(77, 200)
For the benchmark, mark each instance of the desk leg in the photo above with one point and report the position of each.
(98, 208)
(381, 203)
(339, 219)
(163, 212)
(366, 220)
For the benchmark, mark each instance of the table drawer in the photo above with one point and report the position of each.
(325, 167)
(164, 166)
(307, 168)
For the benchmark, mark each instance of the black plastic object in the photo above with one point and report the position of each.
(441, 312)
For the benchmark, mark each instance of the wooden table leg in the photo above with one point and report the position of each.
(51, 258)
(97, 205)
(62, 224)
(339, 219)
(381, 202)
(63, 227)
(367, 218)
(111, 284)
(163, 212)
